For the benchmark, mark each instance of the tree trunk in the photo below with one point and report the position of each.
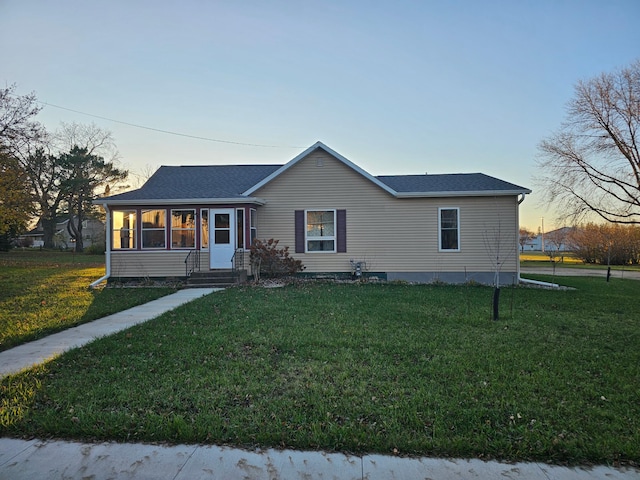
(75, 230)
(496, 303)
(49, 231)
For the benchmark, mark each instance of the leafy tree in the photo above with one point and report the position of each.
(592, 163)
(68, 179)
(83, 174)
(15, 201)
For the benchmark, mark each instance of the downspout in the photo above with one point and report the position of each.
(526, 280)
(107, 250)
(522, 196)
(539, 283)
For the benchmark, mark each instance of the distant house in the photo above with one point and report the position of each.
(93, 232)
(554, 241)
(329, 211)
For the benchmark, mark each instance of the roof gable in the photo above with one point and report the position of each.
(233, 183)
(331, 152)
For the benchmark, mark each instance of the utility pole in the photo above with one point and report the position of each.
(542, 234)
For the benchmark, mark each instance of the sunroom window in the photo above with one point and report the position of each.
(153, 228)
(240, 228)
(124, 229)
(183, 228)
(449, 230)
(204, 228)
(321, 231)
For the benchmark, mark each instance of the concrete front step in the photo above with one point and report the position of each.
(216, 278)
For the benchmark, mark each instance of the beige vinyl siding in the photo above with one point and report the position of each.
(390, 234)
(164, 263)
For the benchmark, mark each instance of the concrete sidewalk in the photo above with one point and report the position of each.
(39, 351)
(53, 459)
(35, 459)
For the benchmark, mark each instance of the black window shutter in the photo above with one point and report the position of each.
(341, 230)
(299, 230)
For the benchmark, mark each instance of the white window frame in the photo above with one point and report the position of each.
(440, 249)
(240, 228)
(204, 230)
(131, 231)
(143, 229)
(253, 227)
(180, 229)
(333, 237)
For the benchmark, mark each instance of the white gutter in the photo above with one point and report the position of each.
(107, 250)
(191, 201)
(457, 193)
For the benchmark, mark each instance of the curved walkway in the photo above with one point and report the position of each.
(55, 459)
(39, 351)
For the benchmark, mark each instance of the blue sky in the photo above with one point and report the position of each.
(397, 87)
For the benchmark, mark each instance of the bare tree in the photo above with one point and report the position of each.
(558, 240)
(93, 139)
(592, 163)
(18, 131)
(141, 176)
(524, 236)
(500, 246)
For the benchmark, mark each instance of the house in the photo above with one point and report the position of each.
(558, 240)
(329, 211)
(93, 232)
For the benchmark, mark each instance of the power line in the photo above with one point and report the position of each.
(165, 131)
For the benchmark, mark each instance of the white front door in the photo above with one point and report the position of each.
(222, 239)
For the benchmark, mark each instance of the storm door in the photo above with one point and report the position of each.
(222, 238)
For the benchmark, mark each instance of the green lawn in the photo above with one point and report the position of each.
(421, 370)
(566, 260)
(42, 292)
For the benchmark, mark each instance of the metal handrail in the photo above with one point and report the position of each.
(237, 259)
(192, 262)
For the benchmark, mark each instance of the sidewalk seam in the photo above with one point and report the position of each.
(185, 462)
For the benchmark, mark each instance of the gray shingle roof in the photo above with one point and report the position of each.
(194, 182)
(230, 181)
(454, 182)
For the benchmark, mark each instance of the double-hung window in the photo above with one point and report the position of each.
(153, 228)
(183, 228)
(124, 229)
(253, 225)
(449, 229)
(321, 231)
